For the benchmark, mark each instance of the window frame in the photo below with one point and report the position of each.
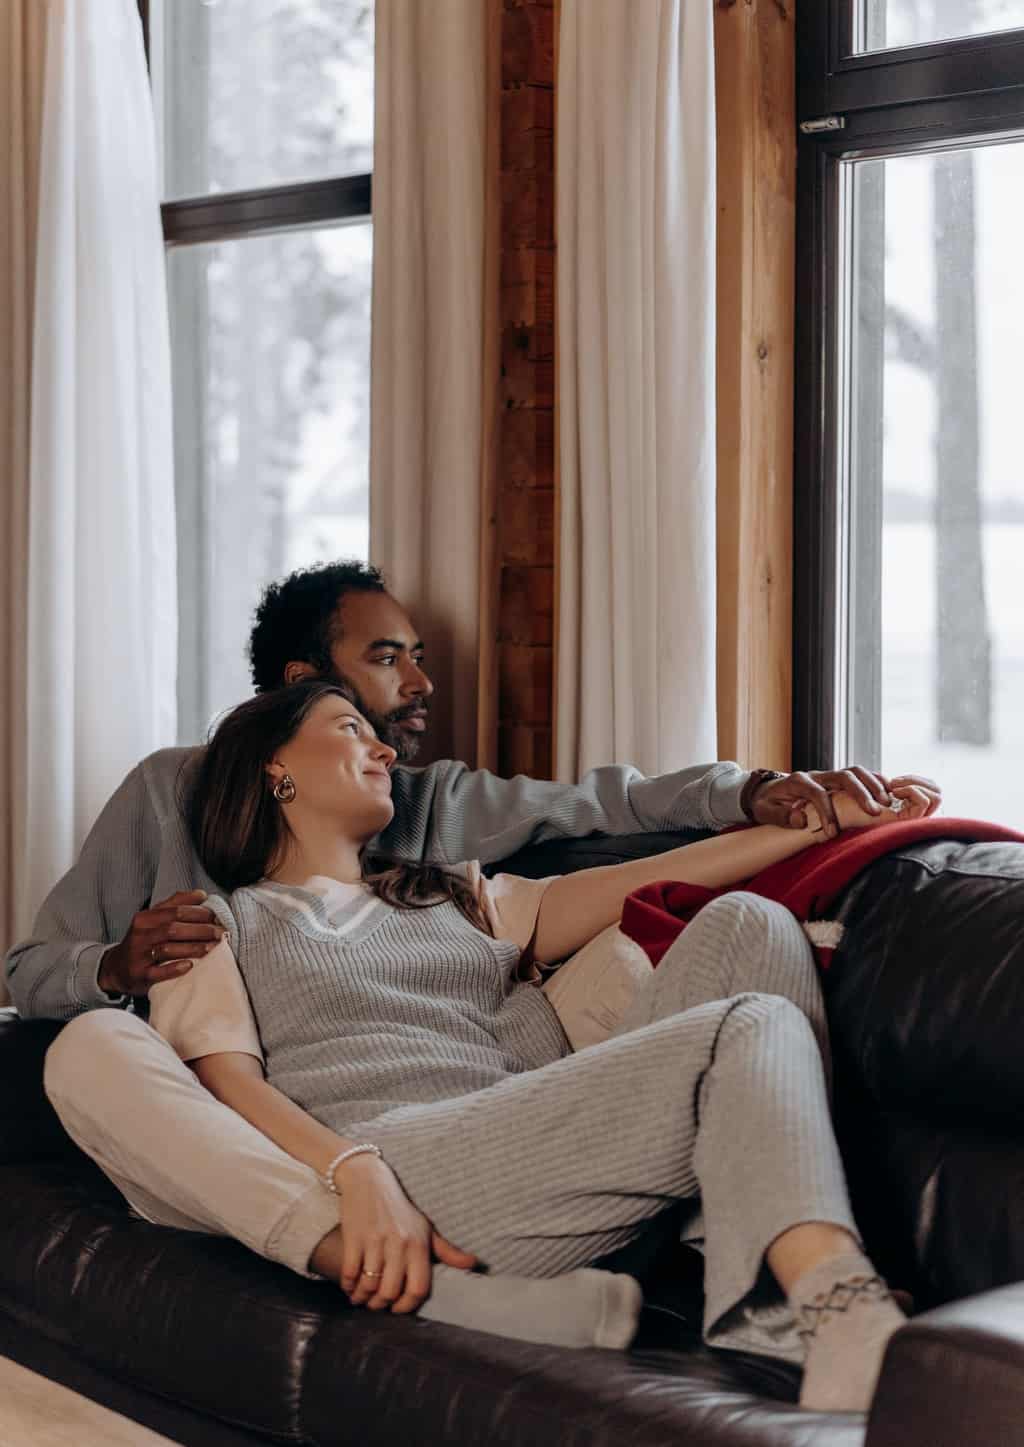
(258, 211)
(879, 104)
(233, 216)
(833, 78)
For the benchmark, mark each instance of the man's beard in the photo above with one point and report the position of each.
(387, 725)
(388, 728)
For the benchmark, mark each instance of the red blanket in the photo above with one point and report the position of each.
(805, 883)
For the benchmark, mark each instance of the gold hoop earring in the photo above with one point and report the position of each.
(284, 790)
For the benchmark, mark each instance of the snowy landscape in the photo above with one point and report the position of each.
(979, 783)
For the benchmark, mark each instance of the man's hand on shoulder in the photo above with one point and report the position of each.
(784, 799)
(162, 942)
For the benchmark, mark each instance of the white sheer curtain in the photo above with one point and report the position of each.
(101, 586)
(428, 336)
(636, 376)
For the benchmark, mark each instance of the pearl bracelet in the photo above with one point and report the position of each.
(363, 1150)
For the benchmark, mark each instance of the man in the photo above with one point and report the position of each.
(179, 1156)
(98, 939)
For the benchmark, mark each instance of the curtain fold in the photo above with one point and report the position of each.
(636, 378)
(426, 432)
(100, 592)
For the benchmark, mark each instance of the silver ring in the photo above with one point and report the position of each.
(897, 806)
(152, 954)
(373, 1273)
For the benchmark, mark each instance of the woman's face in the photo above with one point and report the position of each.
(340, 769)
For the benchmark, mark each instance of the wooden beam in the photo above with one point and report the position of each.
(755, 52)
(488, 662)
(523, 496)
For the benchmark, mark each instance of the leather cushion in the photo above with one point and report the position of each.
(926, 993)
(566, 856)
(926, 998)
(29, 1128)
(955, 1377)
(939, 1207)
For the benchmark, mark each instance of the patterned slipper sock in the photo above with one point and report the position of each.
(582, 1308)
(846, 1315)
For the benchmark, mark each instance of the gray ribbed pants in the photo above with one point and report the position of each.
(714, 1088)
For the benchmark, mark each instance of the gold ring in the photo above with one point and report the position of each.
(372, 1273)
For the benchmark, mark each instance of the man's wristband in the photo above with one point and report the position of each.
(753, 784)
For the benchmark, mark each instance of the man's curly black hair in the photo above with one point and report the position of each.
(297, 619)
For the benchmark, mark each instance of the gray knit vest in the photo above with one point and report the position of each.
(405, 1007)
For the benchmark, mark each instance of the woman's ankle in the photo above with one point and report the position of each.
(804, 1247)
(846, 1315)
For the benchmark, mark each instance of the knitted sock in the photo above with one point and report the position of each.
(846, 1316)
(582, 1308)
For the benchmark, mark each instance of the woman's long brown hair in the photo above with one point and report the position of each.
(241, 832)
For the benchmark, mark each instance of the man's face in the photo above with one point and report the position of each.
(380, 654)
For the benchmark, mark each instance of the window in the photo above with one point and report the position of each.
(909, 614)
(265, 124)
(886, 24)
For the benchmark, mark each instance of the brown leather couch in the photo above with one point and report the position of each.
(203, 1341)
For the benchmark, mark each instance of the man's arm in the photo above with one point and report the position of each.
(448, 813)
(98, 913)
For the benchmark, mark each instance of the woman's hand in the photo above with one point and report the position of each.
(919, 798)
(387, 1245)
(790, 801)
(923, 794)
(817, 797)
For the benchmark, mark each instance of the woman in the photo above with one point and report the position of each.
(401, 1049)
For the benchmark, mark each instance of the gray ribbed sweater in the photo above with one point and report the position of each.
(370, 1007)
(139, 849)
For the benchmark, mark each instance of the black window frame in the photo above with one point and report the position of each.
(854, 106)
(230, 215)
(834, 79)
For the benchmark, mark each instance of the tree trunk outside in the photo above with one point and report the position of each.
(964, 665)
(867, 463)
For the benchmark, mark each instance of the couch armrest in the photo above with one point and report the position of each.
(29, 1128)
(955, 1375)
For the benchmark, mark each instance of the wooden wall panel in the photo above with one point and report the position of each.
(488, 660)
(755, 51)
(524, 492)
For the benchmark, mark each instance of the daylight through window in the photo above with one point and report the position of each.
(265, 115)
